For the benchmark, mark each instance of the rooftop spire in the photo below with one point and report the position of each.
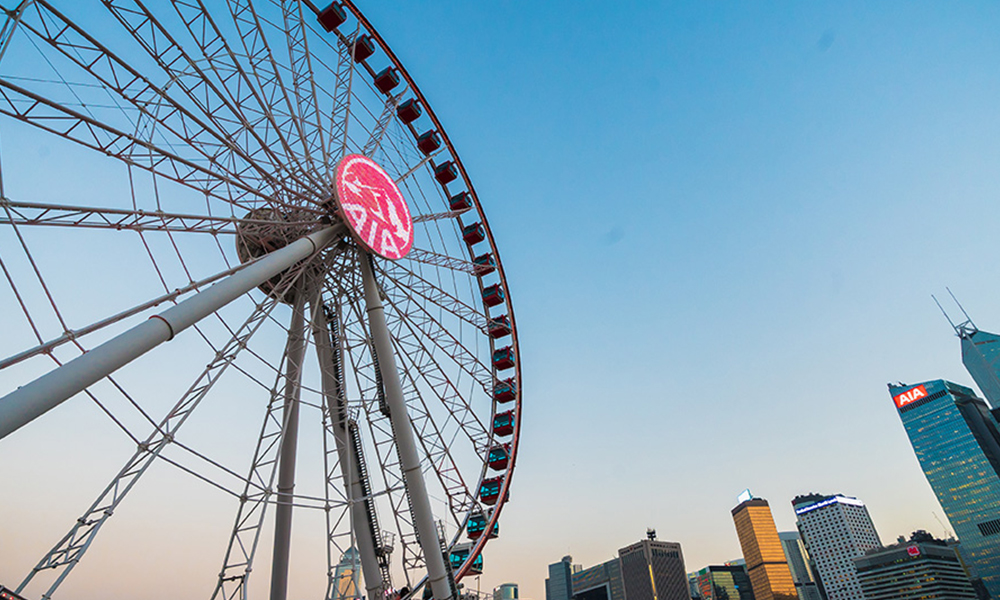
(964, 329)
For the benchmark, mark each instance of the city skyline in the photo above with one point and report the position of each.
(722, 227)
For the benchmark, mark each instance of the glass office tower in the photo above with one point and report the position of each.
(559, 584)
(600, 582)
(981, 357)
(724, 582)
(798, 562)
(957, 441)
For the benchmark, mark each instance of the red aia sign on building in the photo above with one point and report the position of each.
(913, 550)
(910, 396)
(373, 207)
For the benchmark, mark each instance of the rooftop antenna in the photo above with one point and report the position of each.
(967, 324)
(964, 329)
(947, 531)
(953, 326)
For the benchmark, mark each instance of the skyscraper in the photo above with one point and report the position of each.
(601, 582)
(766, 562)
(724, 582)
(836, 529)
(798, 563)
(653, 570)
(957, 442)
(924, 570)
(981, 356)
(559, 585)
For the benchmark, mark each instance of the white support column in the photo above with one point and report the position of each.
(34, 399)
(294, 353)
(413, 477)
(348, 457)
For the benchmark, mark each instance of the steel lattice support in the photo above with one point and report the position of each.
(364, 522)
(266, 72)
(119, 219)
(257, 493)
(68, 552)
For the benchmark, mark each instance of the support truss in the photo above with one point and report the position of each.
(68, 552)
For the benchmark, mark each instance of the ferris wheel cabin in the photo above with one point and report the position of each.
(503, 423)
(460, 554)
(505, 391)
(477, 525)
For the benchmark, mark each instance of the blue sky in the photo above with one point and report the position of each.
(721, 224)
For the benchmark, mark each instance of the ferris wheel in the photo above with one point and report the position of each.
(249, 211)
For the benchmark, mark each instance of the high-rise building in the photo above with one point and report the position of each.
(724, 582)
(505, 591)
(836, 529)
(920, 569)
(559, 585)
(600, 582)
(798, 564)
(766, 562)
(981, 357)
(653, 570)
(346, 574)
(957, 442)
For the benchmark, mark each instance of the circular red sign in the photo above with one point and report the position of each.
(373, 207)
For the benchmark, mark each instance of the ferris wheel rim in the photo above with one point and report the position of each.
(505, 488)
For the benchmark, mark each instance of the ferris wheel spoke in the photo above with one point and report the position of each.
(10, 24)
(68, 552)
(444, 340)
(342, 99)
(237, 135)
(436, 259)
(304, 82)
(374, 142)
(421, 358)
(405, 279)
(50, 116)
(423, 161)
(435, 446)
(240, 90)
(35, 213)
(448, 215)
(178, 126)
(267, 73)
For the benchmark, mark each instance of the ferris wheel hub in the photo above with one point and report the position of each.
(264, 230)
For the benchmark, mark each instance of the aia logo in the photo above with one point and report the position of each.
(910, 396)
(373, 207)
(913, 550)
